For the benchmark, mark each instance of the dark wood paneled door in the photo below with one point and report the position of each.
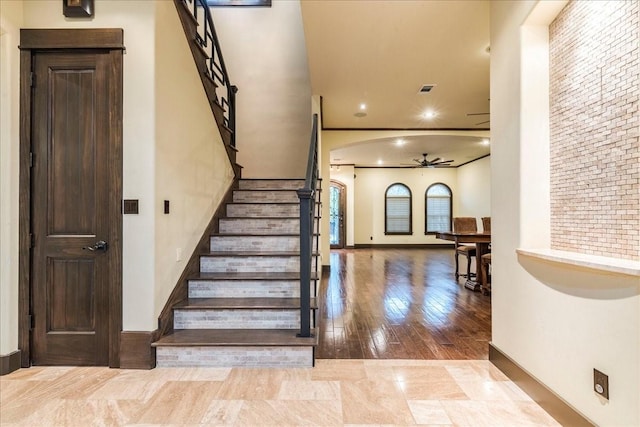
(70, 208)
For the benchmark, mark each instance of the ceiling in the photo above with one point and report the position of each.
(380, 53)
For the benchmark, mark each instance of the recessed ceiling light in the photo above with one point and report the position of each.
(429, 114)
(400, 142)
(485, 142)
(380, 162)
(363, 106)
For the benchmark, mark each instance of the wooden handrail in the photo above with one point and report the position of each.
(307, 196)
(216, 69)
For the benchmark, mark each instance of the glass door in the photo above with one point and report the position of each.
(337, 197)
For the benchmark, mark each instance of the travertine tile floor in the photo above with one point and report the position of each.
(334, 393)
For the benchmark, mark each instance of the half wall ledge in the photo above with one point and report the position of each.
(591, 262)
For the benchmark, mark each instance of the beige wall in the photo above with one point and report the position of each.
(11, 20)
(137, 20)
(332, 139)
(370, 187)
(474, 190)
(192, 169)
(171, 151)
(556, 321)
(470, 185)
(265, 54)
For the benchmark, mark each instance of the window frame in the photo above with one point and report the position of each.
(386, 197)
(426, 207)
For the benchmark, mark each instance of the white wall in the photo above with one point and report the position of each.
(555, 321)
(474, 190)
(265, 54)
(192, 169)
(11, 20)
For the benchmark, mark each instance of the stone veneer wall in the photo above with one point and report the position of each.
(594, 125)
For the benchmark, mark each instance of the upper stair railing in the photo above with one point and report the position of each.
(207, 38)
(307, 196)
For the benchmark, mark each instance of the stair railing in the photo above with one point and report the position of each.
(307, 196)
(208, 40)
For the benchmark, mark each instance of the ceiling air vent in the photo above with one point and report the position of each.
(426, 88)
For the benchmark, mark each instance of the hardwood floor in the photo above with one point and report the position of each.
(400, 304)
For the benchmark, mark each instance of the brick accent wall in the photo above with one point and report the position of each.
(594, 120)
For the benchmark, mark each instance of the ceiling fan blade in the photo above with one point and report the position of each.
(435, 160)
(481, 123)
(477, 114)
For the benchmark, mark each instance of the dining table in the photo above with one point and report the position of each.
(482, 241)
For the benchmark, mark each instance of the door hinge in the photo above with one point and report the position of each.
(32, 79)
(31, 159)
(32, 240)
(31, 321)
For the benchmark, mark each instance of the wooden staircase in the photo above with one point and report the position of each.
(205, 49)
(243, 308)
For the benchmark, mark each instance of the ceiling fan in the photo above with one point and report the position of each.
(424, 163)
(479, 114)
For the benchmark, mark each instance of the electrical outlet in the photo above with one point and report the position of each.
(601, 383)
(178, 254)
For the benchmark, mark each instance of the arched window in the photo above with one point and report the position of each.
(437, 208)
(397, 210)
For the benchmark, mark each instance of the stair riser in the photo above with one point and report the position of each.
(249, 264)
(286, 196)
(245, 289)
(253, 318)
(267, 184)
(232, 356)
(261, 226)
(258, 210)
(256, 243)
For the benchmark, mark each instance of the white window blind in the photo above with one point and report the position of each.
(398, 209)
(438, 207)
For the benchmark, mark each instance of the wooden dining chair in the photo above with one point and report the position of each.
(486, 224)
(465, 225)
(485, 261)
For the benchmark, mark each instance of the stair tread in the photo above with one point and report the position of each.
(269, 218)
(236, 337)
(265, 189)
(251, 276)
(239, 303)
(253, 253)
(263, 203)
(256, 235)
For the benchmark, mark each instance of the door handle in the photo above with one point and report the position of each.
(100, 245)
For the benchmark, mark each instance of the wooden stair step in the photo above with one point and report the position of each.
(254, 275)
(236, 337)
(254, 254)
(269, 183)
(256, 235)
(243, 303)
